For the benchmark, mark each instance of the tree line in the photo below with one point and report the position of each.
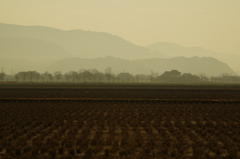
(93, 75)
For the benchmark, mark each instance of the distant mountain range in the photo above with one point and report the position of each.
(77, 43)
(174, 50)
(48, 49)
(30, 48)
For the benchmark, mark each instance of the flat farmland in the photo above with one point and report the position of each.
(119, 122)
(122, 92)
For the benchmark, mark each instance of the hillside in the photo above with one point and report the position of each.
(30, 48)
(194, 65)
(83, 44)
(18, 64)
(175, 50)
(118, 65)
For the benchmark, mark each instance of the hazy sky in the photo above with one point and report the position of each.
(212, 24)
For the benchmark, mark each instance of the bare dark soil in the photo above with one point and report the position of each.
(122, 91)
(123, 127)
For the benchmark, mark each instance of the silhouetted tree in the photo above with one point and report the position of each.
(79, 76)
(23, 75)
(2, 76)
(73, 75)
(16, 76)
(129, 77)
(118, 78)
(108, 70)
(67, 76)
(151, 78)
(31, 75)
(148, 78)
(57, 75)
(137, 78)
(37, 76)
(99, 76)
(108, 73)
(140, 77)
(114, 77)
(44, 76)
(125, 76)
(50, 77)
(109, 76)
(94, 71)
(86, 74)
(203, 77)
(94, 77)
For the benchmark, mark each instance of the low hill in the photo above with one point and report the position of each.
(118, 65)
(175, 50)
(195, 65)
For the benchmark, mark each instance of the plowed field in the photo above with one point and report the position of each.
(120, 123)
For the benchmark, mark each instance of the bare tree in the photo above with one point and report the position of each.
(73, 75)
(118, 78)
(108, 70)
(16, 76)
(128, 78)
(137, 78)
(109, 76)
(2, 76)
(23, 75)
(125, 76)
(108, 73)
(37, 76)
(203, 77)
(114, 78)
(148, 78)
(44, 76)
(99, 76)
(67, 76)
(94, 77)
(57, 75)
(140, 77)
(94, 74)
(94, 71)
(50, 77)
(31, 75)
(86, 74)
(79, 75)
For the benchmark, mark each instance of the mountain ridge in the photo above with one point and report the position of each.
(194, 65)
(211, 67)
(30, 48)
(173, 50)
(85, 44)
(89, 44)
